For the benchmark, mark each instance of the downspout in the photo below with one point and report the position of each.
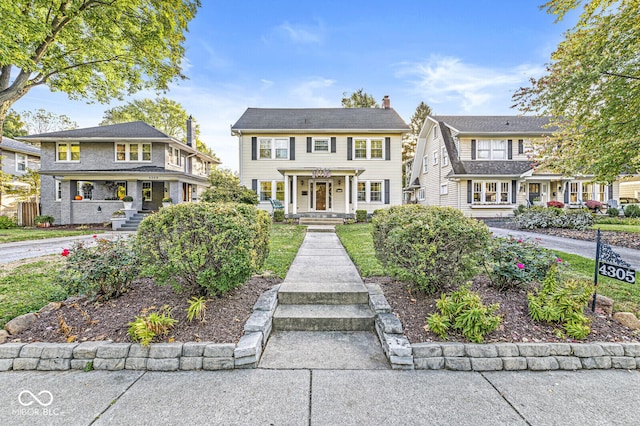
(238, 133)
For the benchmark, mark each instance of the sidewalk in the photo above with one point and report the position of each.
(321, 397)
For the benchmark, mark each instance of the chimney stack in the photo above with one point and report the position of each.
(191, 132)
(386, 102)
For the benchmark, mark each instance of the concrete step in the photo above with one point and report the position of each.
(322, 294)
(321, 221)
(323, 318)
(321, 228)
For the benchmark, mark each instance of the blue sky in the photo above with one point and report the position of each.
(460, 57)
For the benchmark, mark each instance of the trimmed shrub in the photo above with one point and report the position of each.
(206, 247)
(613, 212)
(632, 210)
(361, 216)
(102, 271)
(593, 204)
(278, 215)
(519, 210)
(551, 217)
(464, 311)
(514, 263)
(429, 246)
(7, 222)
(556, 204)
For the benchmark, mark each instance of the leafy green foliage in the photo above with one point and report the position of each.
(14, 126)
(278, 215)
(103, 270)
(207, 247)
(197, 309)
(361, 216)
(592, 91)
(224, 187)
(562, 303)
(552, 217)
(515, 263)
(632, 210)
(616, 220)
(410, 139)
(428, 246)
(464, 311)
(358, 99)
(151, 324)
(7, 222)
(613, 212)
(43, 219)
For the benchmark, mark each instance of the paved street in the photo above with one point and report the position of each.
(321, 397)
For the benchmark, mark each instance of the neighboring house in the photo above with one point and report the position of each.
(15, 159)
(332, 161)
(85, 172)
(485, 166)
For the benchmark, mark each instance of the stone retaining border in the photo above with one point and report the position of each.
(106, 355)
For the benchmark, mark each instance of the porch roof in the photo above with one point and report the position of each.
(308, 171)
(138, 173)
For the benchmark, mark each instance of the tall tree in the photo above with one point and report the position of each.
(164, 114)
(91, 49)
(359, 99)
(409, 140)
(43, 121)
(14, 126)
(591, 91)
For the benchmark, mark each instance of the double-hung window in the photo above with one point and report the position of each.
(492, 149)
(174, 156)
(370, 191)
(445, 157)
(274, 148)
(587, 191)
(268, 189)
(421, 194)
(375, 191)
(491, 192)
(21, 162)
(362, 191)
(574, 189)
(133, 152)
(368, 149)
(425, 163)
(67, 151)
(321, 145)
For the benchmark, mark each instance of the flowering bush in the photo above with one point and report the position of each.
(556, 204)
(512, 263)
(552, 217)
(593, 204)
(102, 270)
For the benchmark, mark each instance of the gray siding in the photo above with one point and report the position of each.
(99, 156)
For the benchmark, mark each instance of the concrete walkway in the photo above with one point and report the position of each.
(320, 397)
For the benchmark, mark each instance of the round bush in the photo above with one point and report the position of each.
(431, 247)
(613, 212)
(208, 247)
(632, 210)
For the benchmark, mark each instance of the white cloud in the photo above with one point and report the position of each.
(311, 93)
(450, 83)
(299, 33)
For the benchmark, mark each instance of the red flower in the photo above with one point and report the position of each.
(65, 252)
(95, 236)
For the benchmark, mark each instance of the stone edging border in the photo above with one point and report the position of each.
(106, 355)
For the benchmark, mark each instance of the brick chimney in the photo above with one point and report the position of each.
(386, 102)
(191, 132)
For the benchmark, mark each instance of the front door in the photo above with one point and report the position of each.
(321, 196)
(534, 192)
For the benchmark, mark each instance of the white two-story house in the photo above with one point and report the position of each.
(328, 161)
(486, 166)
(16, 159)
(86, 172)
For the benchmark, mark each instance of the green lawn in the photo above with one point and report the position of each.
(358, 242)
(28, 287)
(616, 227)
(25, 234)
(283, 247)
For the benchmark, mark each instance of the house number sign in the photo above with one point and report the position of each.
(321, 173)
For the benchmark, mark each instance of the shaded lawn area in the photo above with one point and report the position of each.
(358, 242)
(25, 234)
(283, 246)
(29, 285)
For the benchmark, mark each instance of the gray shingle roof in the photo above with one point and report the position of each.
(134, 129)
(320, 119)
(494, 168)
(9, 144)
(497, 123)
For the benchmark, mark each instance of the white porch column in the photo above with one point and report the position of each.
(294, 208)
(347, 189)
(286, 193)
(355, 193)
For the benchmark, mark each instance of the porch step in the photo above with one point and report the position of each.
(132, 223)
(323, 318)
(321, 221)
(327, 294)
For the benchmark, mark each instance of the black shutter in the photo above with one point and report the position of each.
(469, 192)
(254, 185)
(514, 191)
(510, 149)
(386, 191)
(254, 148)
(291, 191)
(520, 146)
(611, 191)
(473, 149)
(566, 193)
(349, 148)
(309, 143)
(387, 148)
(333, 144)
(349, 183)
(292, 148)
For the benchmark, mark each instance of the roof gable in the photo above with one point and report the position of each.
(269, 119)
(8, 144)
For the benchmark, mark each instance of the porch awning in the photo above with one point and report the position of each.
(322, 171)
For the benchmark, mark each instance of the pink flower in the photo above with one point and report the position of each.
(520, 266)
(65, 252)
(95, 236)
(519, 241)
(559, 260)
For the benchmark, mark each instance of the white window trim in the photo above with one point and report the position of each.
(421, 194)
(274, 189)
(68, 149)
(127, 152)
(435, 132)
(25, 160)
(444, 189)
(492, 149)
(58, 189)
(272, 143)
(369, 200)
(175, 153)
(445, 157)
(425, 164)
(313, 145)
(435, 157)
(368, 149)
(498, 192)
